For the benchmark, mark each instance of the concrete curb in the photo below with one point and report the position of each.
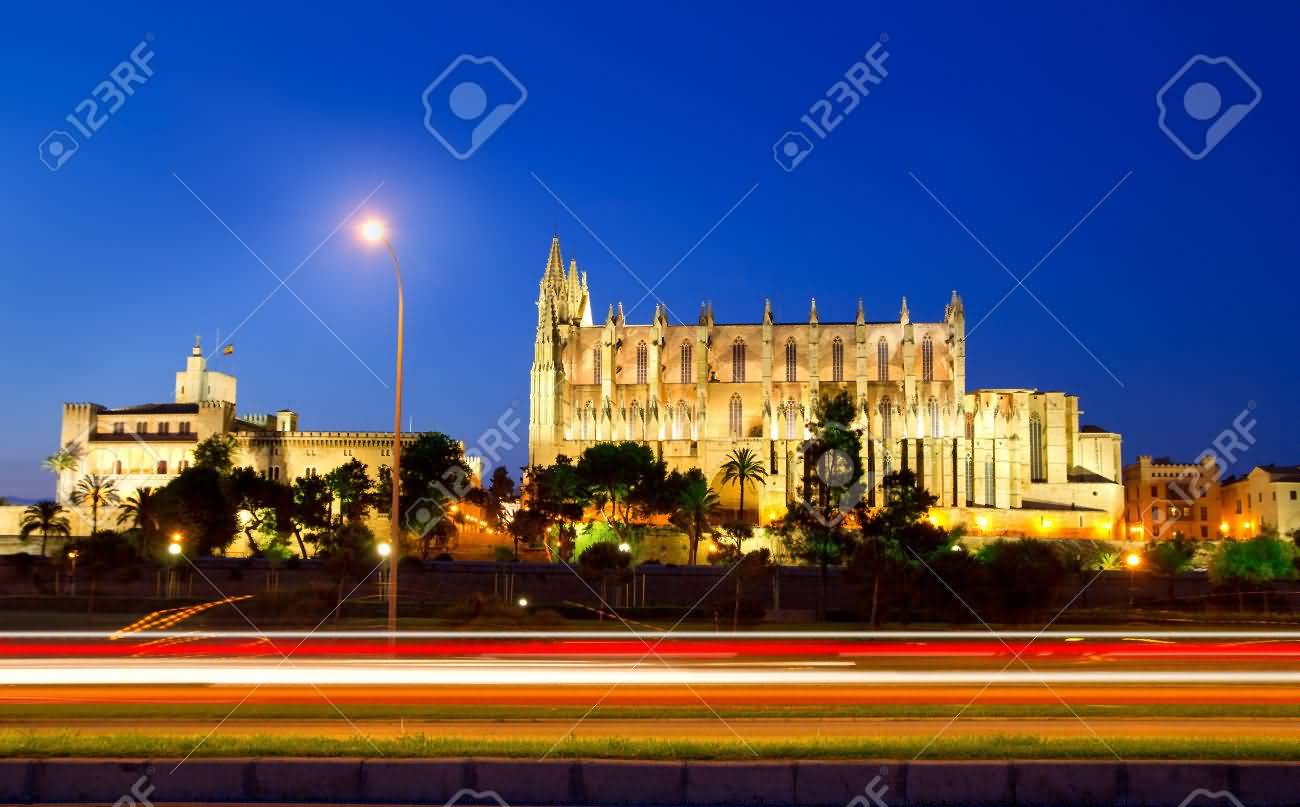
(616, 783)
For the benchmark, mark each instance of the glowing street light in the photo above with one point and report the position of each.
(1133, 560)
(625, 547)
(374, 232)
(384, 549)
(523, 602)
(173, 549)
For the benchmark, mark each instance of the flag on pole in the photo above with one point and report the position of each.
(228, 350)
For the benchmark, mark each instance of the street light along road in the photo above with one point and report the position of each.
(374, 232)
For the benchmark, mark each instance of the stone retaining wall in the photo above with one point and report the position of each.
(610, 783)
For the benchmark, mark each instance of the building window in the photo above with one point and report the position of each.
(1204, 514)
(886, 420)
(882, 360)
(162, 467)
(183, 427)
(1155, 513)
(595, 364)
(587, 430)
(888, 464)
(927, 358)
(142, 428)
(1154, 494)
(837, 359)
(680, 415)
(934, 417)
(117, 467)
(688, 361)
(164, 428)
(1293, 495)
(791, 360)
(119, 428)
(738, 360)
(642, 364)
(990, 484)
(1205, 533)
(734, 422)
(791, 421)
(1037, 471)
(275, 473)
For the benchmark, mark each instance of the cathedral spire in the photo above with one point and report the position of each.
(767, 311)
(862, 314)
(621, 319)
(554, 263)
(903, 316)
(812, 313)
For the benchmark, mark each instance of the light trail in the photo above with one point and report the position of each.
(182, 674)
(679, 635)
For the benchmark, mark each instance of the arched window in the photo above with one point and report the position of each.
(642, 363)
(886, 420)
(927, 358)
(117, 467)
(1037, 471)
(734, 422)
(837, 359)
(934, 417)
(161, 468)
(791, 360)
(882, 360)
(888, 464)
(587, 422)
(791, 420)
(595, 364)
(275, 472)
(738, 360)
(990, 483)
(680, 417)
(688, 361)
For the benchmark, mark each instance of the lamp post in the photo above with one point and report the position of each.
(373, 231)
(1133, 560)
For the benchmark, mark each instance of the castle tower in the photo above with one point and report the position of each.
(196, 383)
(546, 393)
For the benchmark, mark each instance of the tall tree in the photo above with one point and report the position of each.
(624, 481)
(817, 530)
(694, 510)
(310, 509)
(352, 487)
(143, 510)
(45, 517)
(553, 500)
(1171, 558)
(216, 452)
(262, 505)
(66, 459)
(200, 505)
(95, 491)
(744, 468)
(898, 539)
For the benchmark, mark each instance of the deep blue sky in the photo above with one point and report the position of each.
(650, 122)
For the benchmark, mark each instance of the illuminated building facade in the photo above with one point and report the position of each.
(1001, 461)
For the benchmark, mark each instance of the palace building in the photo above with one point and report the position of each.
(147, 445)
(1001, 461)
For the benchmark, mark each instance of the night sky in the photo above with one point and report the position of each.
(1168, 310)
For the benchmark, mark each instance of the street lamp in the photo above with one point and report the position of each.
(385, 549)
(374, 232)
(173, 549)
(1132, 560)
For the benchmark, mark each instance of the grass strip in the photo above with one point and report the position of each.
(993, 746)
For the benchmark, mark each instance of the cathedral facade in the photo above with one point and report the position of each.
(1000, 461)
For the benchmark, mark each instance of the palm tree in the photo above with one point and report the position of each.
(95, 490)
(65, 459)
(744, 468)
(141, 510)
(45, 517)
(693, 512)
